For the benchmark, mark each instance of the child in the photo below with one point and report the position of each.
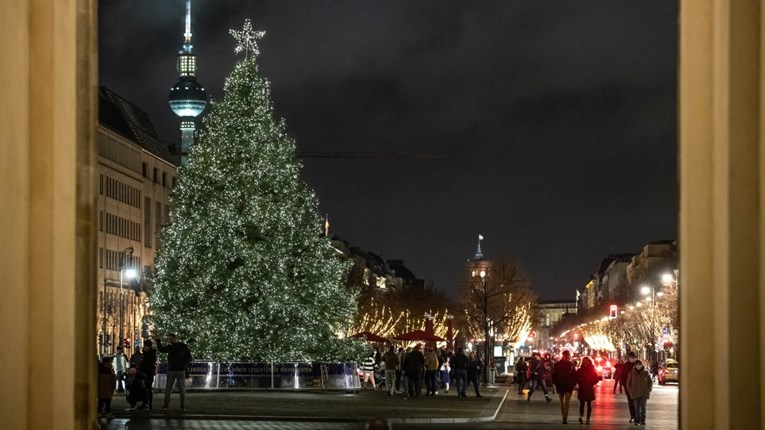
(107, 380)
(445, 377)
(639, 386)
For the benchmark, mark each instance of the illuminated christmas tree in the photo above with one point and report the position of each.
(244, 271)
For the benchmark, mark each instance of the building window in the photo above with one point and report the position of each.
(145, 170)
(147, 222)
(156, 175)
(164, 179)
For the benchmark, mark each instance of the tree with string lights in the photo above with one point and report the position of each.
(244, 271)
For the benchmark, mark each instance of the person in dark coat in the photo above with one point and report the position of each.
(564, 378)
(587, 378)
(178, 357)
(474, 371)
(520, 374)
(106, 383)
(618, 375)
(626, 370)
(460, 366)
(538, 370)
(147, 369)
(415, 363)
(639, 385)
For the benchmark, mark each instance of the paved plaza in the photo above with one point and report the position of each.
(500, 407)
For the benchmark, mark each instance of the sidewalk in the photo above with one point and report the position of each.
(315, 406)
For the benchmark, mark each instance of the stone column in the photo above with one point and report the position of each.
(721, 247)
(47, 258)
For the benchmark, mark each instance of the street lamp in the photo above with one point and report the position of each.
(130, 273)
(481, 275)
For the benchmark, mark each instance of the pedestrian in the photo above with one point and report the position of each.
(391, 364)
(120, 366)
(368, 369)
(626, 369)
(147, 369)
(537, 377)
(404, 362)
(446, 377)
(415, 363)
(378, 356)
(520, 374)
(474, 371)
(639, 385)
(107, 380)
(178, 357)
(654, 370)
(460, 366)
(618, 375)
(135, 382)
(586, 378)
(431, 372)
(564, 378)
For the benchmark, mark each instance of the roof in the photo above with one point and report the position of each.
(401, 271)
(129, 121)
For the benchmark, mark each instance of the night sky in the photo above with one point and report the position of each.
(554, 121)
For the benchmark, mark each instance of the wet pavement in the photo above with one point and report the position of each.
(500, 407)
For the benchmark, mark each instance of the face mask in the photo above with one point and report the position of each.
(638, 367)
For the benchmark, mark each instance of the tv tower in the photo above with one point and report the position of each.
(188, 98)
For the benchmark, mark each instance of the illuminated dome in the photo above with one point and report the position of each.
(187, 97)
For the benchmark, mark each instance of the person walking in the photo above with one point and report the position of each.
(431, 372)
(586, 378)
(178, 357)
(400, 356)
(639, 385)
(368, 370)
(520, 374)
(106, 383)
(460, 366)
(147, 369)
(626, 369)
(474, 371)
(120, 366)
(564, 378)
(415, 362)
(618, 375)
(537, 367)
(135, 385)
(390, 359)
(654, 370)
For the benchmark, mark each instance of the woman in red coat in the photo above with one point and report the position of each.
(587, 378)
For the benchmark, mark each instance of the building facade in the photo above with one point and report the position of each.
(550, 313)
(136, 174)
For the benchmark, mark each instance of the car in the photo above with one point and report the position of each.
(670, 372)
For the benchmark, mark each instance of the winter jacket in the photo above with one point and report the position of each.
(537, 367)
(626, 369)
(564, 376)
(414, 364)
(586, 377)
(149, 362)
(431, 361)
(459, 361)
(391, 360)
(178, 355)
(119, 363)
(107, 381)
(639, 383)
(474, 367)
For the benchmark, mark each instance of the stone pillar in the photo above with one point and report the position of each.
(47, 258)
(722, 172)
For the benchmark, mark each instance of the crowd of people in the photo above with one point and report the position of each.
(134, 377)
(566, 376)
(406, 370)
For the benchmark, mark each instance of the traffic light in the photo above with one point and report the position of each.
(613, 310)
(126, 342)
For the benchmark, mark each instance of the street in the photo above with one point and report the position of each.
(501, 407)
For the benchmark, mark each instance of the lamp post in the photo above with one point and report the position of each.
(130, 273)
(481, 275)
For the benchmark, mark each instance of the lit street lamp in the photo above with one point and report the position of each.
(481, 275)
(646, 290)
(130, 274)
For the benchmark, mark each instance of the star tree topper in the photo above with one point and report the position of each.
(246, 39)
